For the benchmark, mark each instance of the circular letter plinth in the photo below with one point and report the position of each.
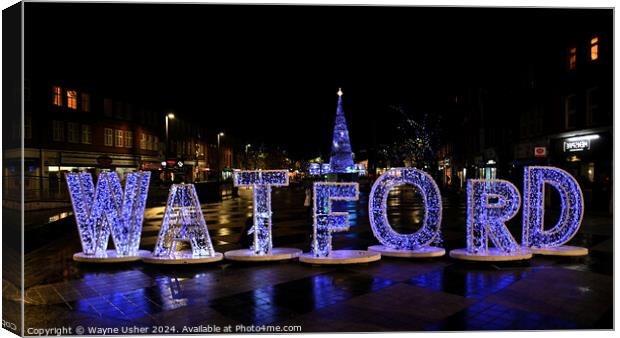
(111, 257)
(277, 254)
(182, 257)
(564, 250)
(493, 255)
(342, 257)
(425, 252)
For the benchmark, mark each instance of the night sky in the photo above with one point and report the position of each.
(269, 73)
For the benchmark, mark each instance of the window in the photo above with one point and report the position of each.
(128, 111)
(592, 106)
(72, 99)
(155, 143)
(128, 139)
(58, 131)
(590, 172)
(149, 142)
(118, 109)
(57, 91)
(594, 49)
(142, 141)
(87, 134)
(118, 138)
(85, 102)
(72, 132)
(28, 127)
(107, 107)
(108, 137)
(571, 111)
(572, 58)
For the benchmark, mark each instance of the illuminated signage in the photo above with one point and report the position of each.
(377, 209)
(540, 151)
(261, 182)
(105, 210)
(579, 143)
(535, 236)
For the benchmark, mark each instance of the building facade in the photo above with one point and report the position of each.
(567, 118)
(557, 111)
(72, 127)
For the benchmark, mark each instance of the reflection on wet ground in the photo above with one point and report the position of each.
(392, 294)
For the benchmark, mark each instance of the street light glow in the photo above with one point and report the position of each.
(221, 134)
(171, 116)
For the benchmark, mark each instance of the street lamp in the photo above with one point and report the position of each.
(169, 116)
(219, 155)
(218, 139)
(247, 160)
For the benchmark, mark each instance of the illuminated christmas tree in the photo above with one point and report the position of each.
(341, 160)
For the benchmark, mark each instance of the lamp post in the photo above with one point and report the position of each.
(168, 117)
(218, 139)
(247, 160)
(219, 155)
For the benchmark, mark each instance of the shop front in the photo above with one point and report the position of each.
(588, 156)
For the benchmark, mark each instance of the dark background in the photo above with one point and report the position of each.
(270, 73)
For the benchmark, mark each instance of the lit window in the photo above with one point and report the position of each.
(57, 95)
(85, 102)
(118, 138)
(594, 49)
(72, 99)
(87, 134)
(108, 137)
(128, 139)
(149, 142)
(72, 132)
(572, 58)
(590, 171)
(155, 143)
(143, 141)
(58, 131)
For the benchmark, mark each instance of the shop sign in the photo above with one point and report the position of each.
(579, 143)
(540, 151)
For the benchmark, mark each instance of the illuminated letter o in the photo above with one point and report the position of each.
(377, 203)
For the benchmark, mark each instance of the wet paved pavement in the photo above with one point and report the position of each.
(392, 294)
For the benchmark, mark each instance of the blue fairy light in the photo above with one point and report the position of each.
(571, 214)
(261, 182)
(431, 197)
(183, 221)
(325, 220)
(106, 210)
(490, 204)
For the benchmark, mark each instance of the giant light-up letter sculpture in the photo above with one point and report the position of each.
(262, 249)
(550, 242)
(405, 245)
(490, 204)
(183, 222)
(104, 210)
(326, 221)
